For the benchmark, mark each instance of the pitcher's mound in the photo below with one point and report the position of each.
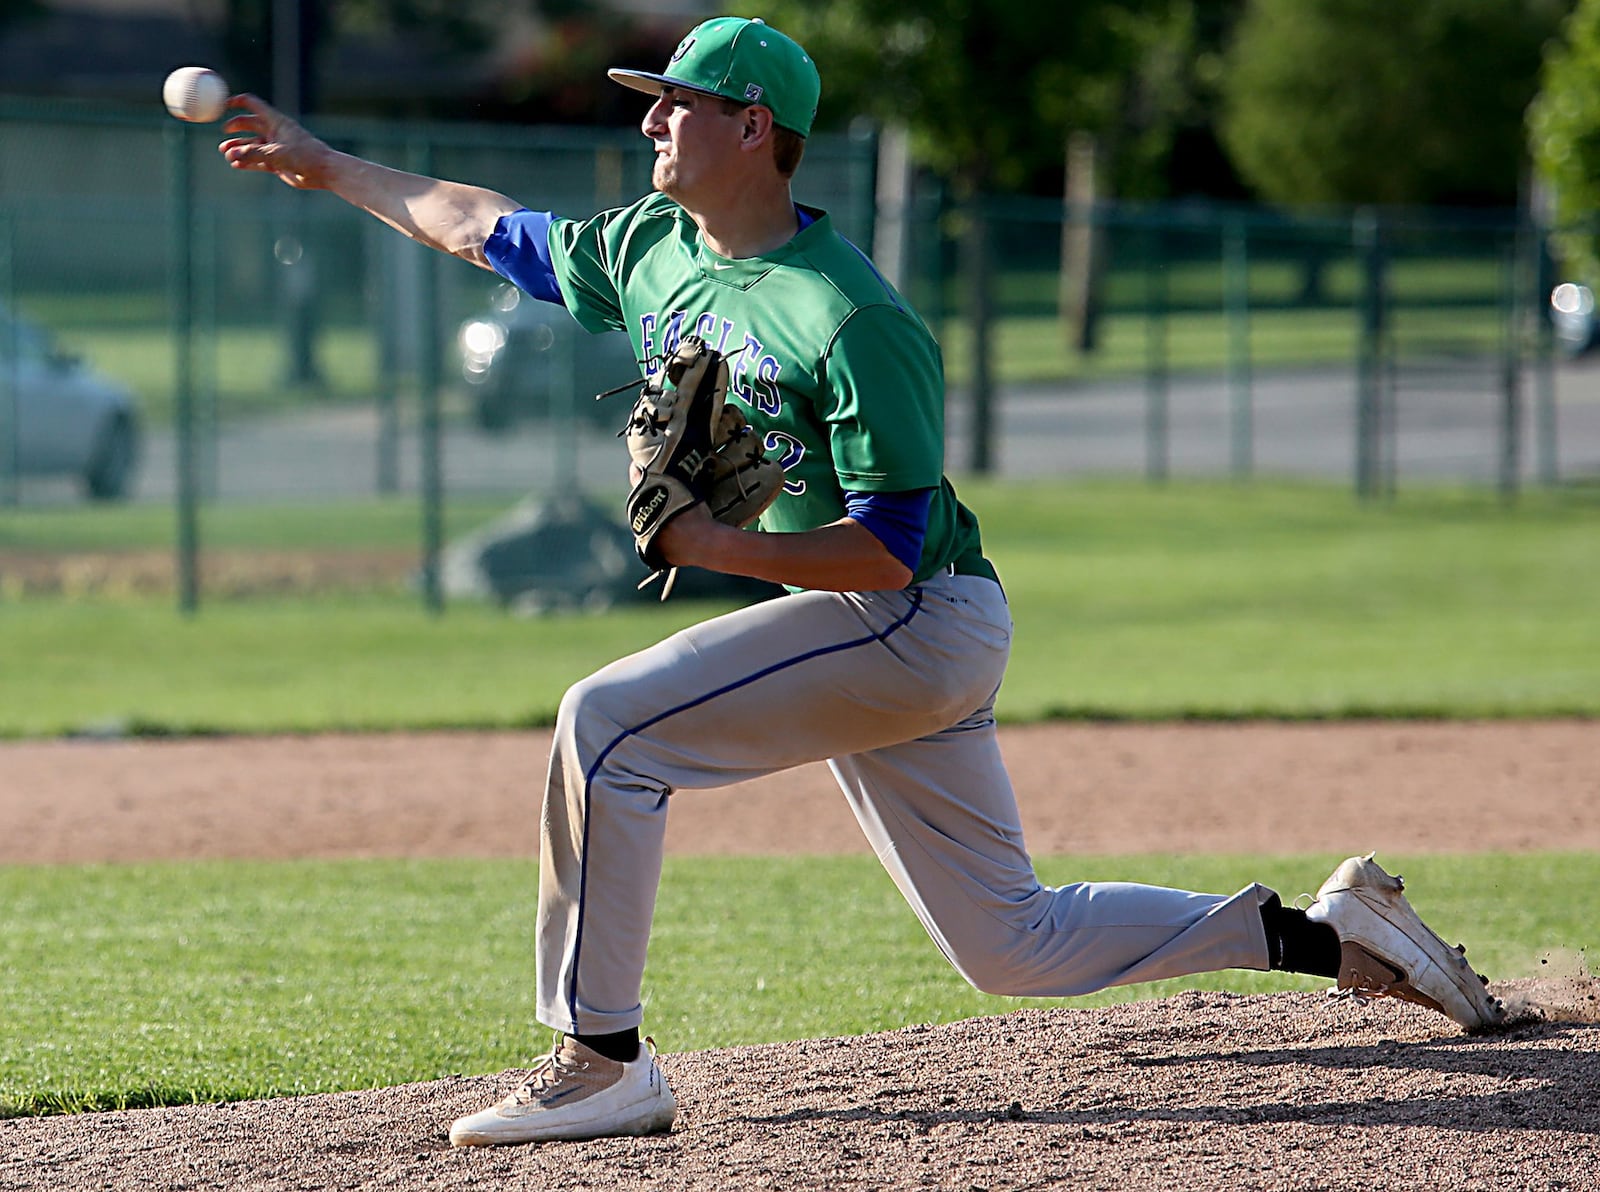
(1195, 1091)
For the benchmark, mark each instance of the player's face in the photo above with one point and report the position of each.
(694, 136)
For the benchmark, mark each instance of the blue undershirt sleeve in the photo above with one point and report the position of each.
(519, 250)
(898, 520)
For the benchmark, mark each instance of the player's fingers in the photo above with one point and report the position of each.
(258, 117)
(265, 158)
(250, 124)
(253, 103)
(244, 154)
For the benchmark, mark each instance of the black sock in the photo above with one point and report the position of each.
(1296, 944)
(622, 1046)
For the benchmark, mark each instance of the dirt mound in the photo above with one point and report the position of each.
(1197, 1091)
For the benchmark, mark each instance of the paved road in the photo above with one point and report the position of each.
(1447, 426)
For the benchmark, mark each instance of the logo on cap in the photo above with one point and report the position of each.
(684, 47)
(753, 92)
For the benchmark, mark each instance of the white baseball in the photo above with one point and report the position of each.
(195, 93)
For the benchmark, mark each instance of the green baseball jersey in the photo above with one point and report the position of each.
(840, 376)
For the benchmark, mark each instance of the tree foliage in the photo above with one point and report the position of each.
(1374, 101)
(534, 61)
(1564, 135)
(1166, 137)
(988, 88)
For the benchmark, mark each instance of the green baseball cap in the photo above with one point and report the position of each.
(747, 61)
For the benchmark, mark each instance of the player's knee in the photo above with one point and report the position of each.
(991, 979)
(597, 728)
(976, 963)
(570, 710)
(590, 701)
(1000, 972)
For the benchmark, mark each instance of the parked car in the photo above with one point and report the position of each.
(59, 416)
(1572, 317)
(528, 359)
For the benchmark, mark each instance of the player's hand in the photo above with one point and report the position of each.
(266, 140)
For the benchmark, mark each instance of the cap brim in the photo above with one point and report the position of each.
(651, 84)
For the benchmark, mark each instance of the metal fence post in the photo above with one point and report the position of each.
(1157, 449)
(10, 402)
(1368, 238)
(209, 425)
(431, 436)
(980, 282)
(562, 415)
(1510, 377)
(1542, 276)
(386, 316)
(181, 280)
(1236, 307)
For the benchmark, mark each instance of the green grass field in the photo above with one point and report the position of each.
(136, 985)
(164, 984)
(1192, 599)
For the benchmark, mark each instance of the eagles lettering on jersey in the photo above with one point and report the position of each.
(752, 376)
(753, 371)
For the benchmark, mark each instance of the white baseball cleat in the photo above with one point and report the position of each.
(1387, 951)
(576, 1093)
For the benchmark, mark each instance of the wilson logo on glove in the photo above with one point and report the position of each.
(647, 510)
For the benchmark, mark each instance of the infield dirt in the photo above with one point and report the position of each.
(1197, 1091)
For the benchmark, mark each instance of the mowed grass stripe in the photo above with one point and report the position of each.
(160, 984)
(1131, 601)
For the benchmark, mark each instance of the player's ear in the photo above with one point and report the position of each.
(757, 128)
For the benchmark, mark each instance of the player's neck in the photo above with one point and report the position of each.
(748, 224)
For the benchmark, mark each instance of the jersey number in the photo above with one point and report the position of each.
(790, 451)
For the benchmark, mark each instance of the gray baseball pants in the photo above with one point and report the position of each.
(896, 689)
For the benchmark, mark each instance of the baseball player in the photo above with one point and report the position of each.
(886, 656)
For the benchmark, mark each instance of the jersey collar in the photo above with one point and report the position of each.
(744, 272)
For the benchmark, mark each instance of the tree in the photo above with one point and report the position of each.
(1373, 101)
(1564, 136)
(988, 88)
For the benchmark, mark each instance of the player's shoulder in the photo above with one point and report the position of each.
(868, 306)
(849, 275)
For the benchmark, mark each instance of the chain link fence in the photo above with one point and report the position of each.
(1362, 344)
(274, 350)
